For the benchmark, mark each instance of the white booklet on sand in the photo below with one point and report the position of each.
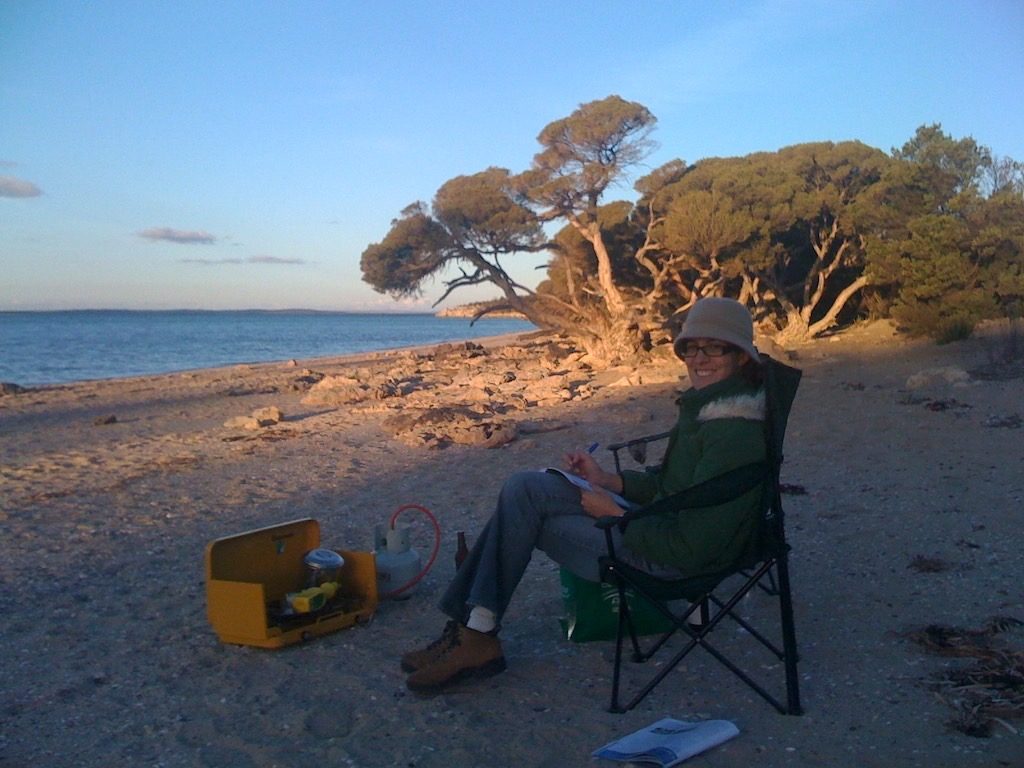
(668, 742)
(585, 485)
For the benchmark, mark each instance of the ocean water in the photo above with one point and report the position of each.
(38, 348)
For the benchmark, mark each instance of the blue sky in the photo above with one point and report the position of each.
(242, 155)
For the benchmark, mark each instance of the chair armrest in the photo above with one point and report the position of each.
(606, 522)
(637, 448)
(718, 490)
(638, 440)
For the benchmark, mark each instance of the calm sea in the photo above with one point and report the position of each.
(58, 347)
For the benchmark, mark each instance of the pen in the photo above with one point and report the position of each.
(593, 447)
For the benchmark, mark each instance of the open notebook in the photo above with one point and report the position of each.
(584, 484)
(668, 742)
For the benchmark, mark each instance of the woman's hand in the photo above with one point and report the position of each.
(600, 504)
(583, 464)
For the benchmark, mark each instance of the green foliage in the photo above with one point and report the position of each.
(997, 226)
(576, 253)
(951, 330)
(934, 261)
(415, 248)
(945, 285)
(706, 225)
(783, 228)
(954, 166)
(583, 153)
(952, 256)
(658, 180)
(808, 236)
(952, 320)
(475, 219)
(478, 211)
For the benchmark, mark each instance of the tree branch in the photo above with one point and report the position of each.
(844, 296)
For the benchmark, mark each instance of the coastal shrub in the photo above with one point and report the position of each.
(953, 330)
(941, 322)
(1004, 349)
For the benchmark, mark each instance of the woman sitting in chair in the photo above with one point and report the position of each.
(719, 429)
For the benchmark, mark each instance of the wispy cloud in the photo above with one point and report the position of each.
(732, 53)
(249, 260)
(181, 236)
(11, 186)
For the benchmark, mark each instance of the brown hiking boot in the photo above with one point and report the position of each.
(424, 657)
(469, 654)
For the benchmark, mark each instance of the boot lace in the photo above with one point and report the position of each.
(449, 637)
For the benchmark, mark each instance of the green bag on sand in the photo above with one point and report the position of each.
(592, 610)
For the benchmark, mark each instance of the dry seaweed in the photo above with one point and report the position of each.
(986, 693)
(925, 564)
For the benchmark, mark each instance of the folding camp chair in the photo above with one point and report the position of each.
(710, 598)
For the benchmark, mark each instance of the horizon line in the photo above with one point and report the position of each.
(293, 310)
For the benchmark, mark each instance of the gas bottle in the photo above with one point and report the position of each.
(397, 563)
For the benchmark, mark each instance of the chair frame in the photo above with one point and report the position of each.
(770, 565)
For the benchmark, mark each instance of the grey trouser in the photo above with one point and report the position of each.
(538, 510)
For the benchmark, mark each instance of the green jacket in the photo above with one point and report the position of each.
(720, 427)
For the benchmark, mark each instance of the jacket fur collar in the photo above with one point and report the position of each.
(750, 407)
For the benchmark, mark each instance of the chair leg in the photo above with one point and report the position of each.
(788, 638)
(614, 706)
(726, 610)
(698, 635)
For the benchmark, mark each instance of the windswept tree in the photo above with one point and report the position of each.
(473, 224)
(832, 182)
(581, 156)
(949, 242)
(703, 232)
(573, 269)
(777, 229)
(477, 221)
(945, 166)
(666, 262)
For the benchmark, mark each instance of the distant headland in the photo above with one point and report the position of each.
(469, 310)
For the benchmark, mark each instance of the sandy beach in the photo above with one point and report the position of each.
(909, 457)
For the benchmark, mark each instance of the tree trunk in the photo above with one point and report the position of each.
(616, 340)
(845, 295)
(796, 327)
(612, 297)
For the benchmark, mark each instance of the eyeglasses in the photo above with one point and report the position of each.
(714, 349)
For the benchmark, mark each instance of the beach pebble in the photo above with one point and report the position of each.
(329, 721)
(271, 414)
(632, 380)
(948, 374)
(243, 422)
